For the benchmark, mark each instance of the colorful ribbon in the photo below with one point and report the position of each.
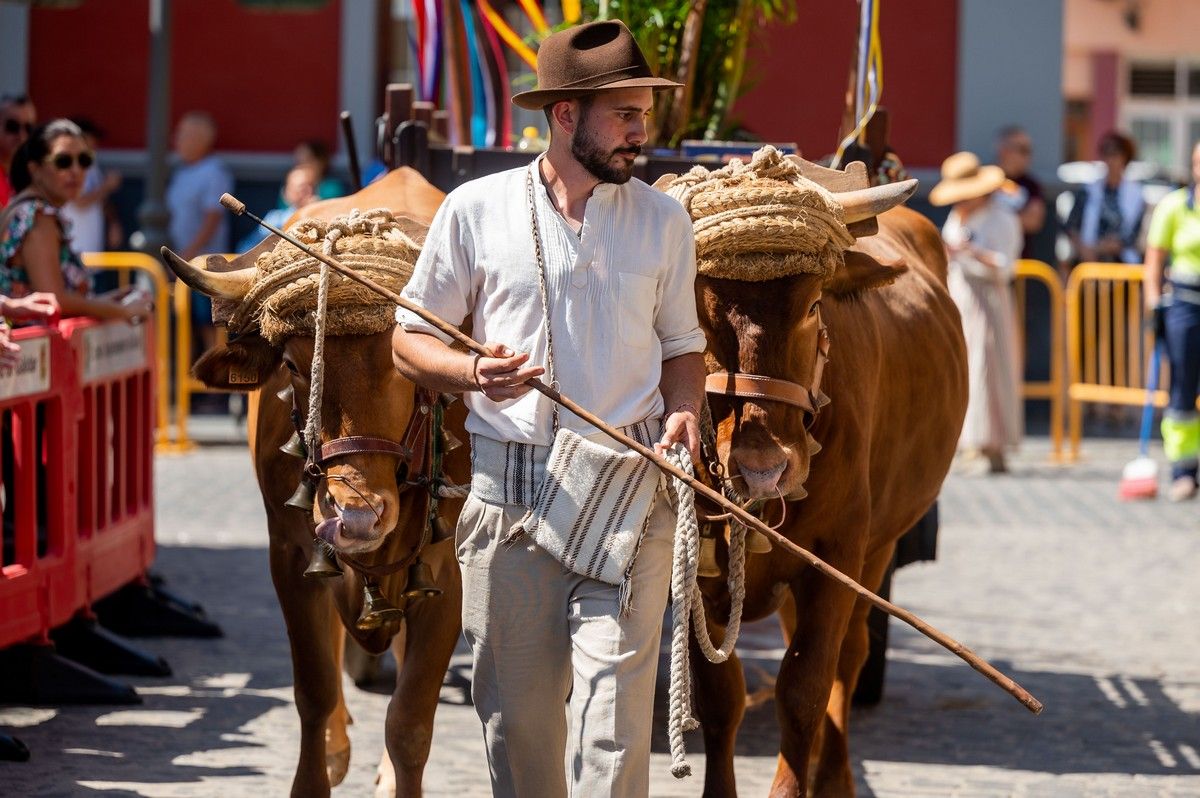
(869, 78)
(509, 35)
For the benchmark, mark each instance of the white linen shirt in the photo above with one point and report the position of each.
(622, 296)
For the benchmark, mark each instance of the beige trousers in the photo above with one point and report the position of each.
(549, 643)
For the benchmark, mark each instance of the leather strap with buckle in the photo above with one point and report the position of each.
(758, 386)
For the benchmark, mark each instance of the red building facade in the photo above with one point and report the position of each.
(271, 79)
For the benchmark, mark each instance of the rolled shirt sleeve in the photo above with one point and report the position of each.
(442, 280)
(676, 322)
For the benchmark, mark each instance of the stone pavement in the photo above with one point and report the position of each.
(1089, 603)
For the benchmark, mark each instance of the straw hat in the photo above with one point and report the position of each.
(585, 59)
(964, 179)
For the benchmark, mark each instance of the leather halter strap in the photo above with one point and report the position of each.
(361, 444)
(410, 452)
(758, 386)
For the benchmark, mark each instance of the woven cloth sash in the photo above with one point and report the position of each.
(506, 472)
(591, 510)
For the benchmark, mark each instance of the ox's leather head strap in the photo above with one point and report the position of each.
(361, 444)
(757, 386)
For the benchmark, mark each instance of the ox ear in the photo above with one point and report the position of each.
(243, 364)
(861, 272)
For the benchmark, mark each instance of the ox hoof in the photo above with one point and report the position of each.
(385, 778)
(337, 763)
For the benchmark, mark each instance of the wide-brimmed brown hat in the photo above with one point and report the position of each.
(964, 179)
(586, 59)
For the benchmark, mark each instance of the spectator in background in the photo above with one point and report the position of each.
(299, 189)
(314, 155)
(17, 119)
(1023, 193)
(1107, 216)
(90, 214)
(1175, 239)
(983, 241)
(35, 252)
(199, 225)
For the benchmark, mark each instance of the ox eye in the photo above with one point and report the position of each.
(815, 307)
(291, 367)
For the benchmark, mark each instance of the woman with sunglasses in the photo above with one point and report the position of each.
(35, 253)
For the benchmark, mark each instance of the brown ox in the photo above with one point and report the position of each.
(364, 395)
(897, 381)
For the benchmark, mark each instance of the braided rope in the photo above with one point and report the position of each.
(541, 264)
(687, 608)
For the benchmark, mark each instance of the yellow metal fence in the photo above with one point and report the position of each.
(1053, 389)
(1108, 344)
(171, 433)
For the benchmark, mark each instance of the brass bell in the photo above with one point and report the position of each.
(450, 441)
(757, 542)
(294, 447)
(286, 394)
(420, 582)
(377, 610)
(707, 566)
(305, 496)
(440, 530)
(322, 564)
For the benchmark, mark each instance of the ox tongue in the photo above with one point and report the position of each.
(328, 530)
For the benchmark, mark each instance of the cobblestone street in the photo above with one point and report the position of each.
(1089, 603)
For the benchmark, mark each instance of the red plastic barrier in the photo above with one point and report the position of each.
(76, 444)
(115, 454)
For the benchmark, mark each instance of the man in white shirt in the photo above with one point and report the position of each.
(615, 288)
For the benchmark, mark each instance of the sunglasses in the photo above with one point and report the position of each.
(65, 160)
(12, 127)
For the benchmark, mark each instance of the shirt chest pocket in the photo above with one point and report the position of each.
(636, 297)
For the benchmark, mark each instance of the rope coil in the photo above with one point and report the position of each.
(687, 608)
(762, 220)
(283, 300)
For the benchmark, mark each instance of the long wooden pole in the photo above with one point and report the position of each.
(957, 648)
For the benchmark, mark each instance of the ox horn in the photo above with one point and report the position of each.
(867, 203)
(219, 285)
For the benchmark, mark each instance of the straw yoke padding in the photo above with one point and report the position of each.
(283, 300)
(762, 220)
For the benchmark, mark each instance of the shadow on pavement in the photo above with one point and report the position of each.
(189, 720)
(936, 710)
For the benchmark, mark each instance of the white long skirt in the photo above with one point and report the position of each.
(994, 410)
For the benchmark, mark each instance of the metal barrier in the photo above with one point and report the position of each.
(1108, 345)
(1055, 388)
(185, 383)
(124, 263)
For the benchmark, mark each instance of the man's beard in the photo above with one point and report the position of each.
(599, 161)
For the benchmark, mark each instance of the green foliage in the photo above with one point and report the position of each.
(719, 76)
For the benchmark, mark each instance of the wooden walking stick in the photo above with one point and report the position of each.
(970, 657)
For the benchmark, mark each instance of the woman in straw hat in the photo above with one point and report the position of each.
(983, 241)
